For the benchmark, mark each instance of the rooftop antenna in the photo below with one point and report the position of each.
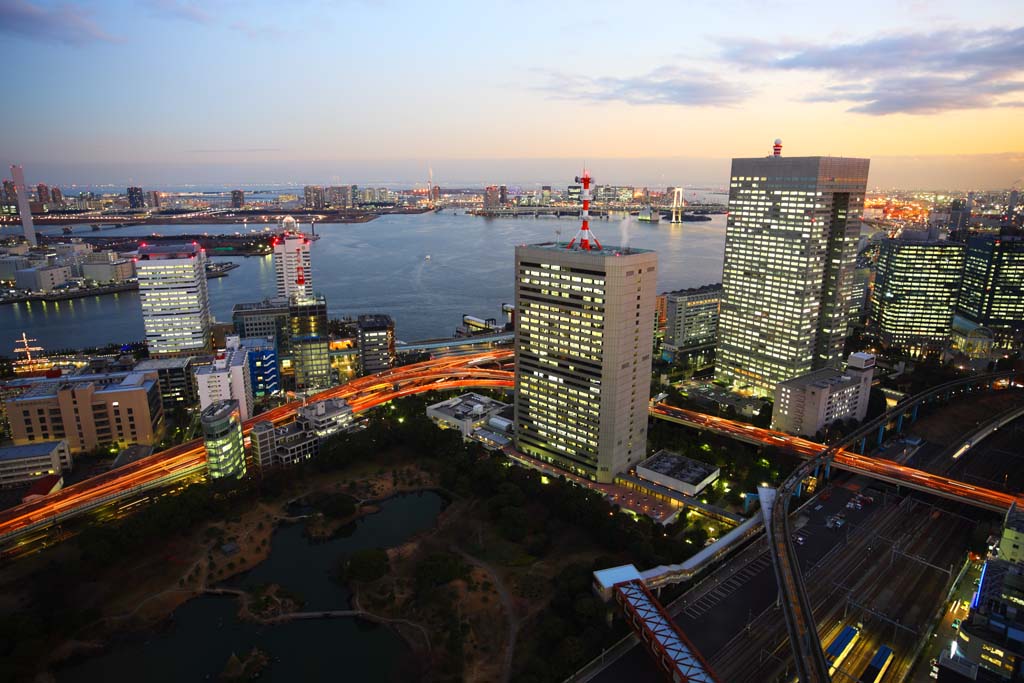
(584, 235)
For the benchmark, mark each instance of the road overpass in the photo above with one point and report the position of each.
(841, 458)
(810, 659)
(478, 370)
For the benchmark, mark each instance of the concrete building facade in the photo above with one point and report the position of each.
(788, 277)
(583, 343)
(88, 414)
(175, 303)
(28, 462)
(807, 404)
(917, 285)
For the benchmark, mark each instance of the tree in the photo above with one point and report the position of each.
(368, 564)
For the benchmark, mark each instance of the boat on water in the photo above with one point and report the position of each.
(427, 257)
(68, 230)
(649, 215)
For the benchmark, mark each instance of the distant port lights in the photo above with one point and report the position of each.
(588, 241)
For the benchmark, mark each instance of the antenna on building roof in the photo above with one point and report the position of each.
(584, 235)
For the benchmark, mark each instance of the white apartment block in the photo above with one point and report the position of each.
(227, 378)
(807, 404)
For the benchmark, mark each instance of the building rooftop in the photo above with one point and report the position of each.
(129, 381)
(375, 321)
(132, 453)
(678, 467)
(467, 406)
(1014, 518)
(44, 485)
(156, 252)
(163, 364)
(219, 410)
(606, 249)
(29, 450)
(259, 306)
(704, 289)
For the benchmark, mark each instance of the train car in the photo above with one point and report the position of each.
(878, 666)
(840, 646)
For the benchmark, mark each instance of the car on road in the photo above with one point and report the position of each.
(799, 539)
(956, 624)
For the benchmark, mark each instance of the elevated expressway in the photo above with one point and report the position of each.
(187, 460)
(803, 633)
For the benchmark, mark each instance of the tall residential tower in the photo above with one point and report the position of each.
(584, 331)
(788, 278)
(292, 266)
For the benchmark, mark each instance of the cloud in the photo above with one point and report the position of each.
(234, 150)
(665, 85)
(61, 24)
(909, 73)
(182, 10)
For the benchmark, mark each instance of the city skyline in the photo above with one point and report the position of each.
(459, 87)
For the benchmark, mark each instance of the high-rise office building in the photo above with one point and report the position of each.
(917, 284)
(491, 198)
(56, 197)
(175, 303)
(583, 336)
(237, 199)
(788, 278)
(136, 200)
(43, 193)
(959, 214)
(268, 318)
(292, 266)
(313, 196)
(376, 342)
(992, 295)
(307, 316)
(21, 198)
(584, 332)
(692, 317)
(222, 433)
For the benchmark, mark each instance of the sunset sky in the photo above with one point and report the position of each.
(307, 90)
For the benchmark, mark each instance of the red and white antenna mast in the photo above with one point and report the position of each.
(588, 241)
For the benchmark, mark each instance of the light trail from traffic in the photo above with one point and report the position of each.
(442, 374)
(189, 459)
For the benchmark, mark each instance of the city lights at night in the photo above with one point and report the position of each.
(512, 342)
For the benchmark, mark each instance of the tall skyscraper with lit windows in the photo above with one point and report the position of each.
(292, 266)
(584, 333)
(917, 284)
(175, 302)
(788, 278)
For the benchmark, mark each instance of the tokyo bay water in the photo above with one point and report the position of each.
(381, 266)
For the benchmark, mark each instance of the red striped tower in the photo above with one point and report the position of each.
(588, 241)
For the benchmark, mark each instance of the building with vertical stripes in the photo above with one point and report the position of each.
(788, 277)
